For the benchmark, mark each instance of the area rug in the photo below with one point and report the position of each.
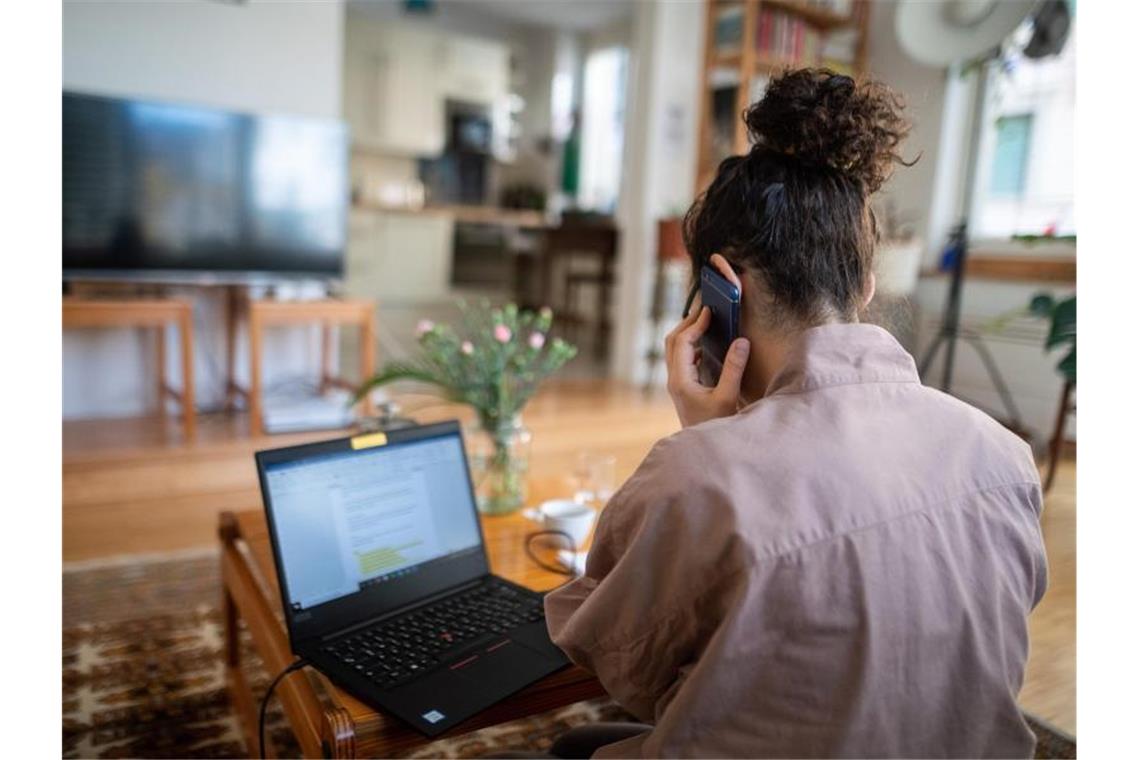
(143, 675)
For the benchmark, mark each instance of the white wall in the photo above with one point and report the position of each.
(659, 168)
(260, 57)
(912, 189)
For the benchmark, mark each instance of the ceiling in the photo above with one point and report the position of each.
(570, 15)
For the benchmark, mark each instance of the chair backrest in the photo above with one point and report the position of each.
(569, 239)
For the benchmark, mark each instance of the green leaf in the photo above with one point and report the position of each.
(1041, 305)
(1063, 330)
(395, 372)
(496, 379)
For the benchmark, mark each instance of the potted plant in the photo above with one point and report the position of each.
(494, 363)
(1062, 316)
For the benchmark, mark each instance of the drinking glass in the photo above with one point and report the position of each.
(594, 475)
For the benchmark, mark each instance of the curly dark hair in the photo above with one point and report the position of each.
(795, 210)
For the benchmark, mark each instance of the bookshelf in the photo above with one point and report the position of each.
(748, 41)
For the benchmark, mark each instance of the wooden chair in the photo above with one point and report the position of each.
(563, 247)
(156, 314)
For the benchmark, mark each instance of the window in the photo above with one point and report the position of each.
(1026, 163)
(1011, 152)
(603, 125)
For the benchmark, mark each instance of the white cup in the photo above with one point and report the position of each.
(568, 517)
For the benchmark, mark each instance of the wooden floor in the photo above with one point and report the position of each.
(132, 486)
(135, 486)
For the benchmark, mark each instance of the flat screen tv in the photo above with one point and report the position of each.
(170, 192)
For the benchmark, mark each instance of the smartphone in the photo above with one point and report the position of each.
(723, 300)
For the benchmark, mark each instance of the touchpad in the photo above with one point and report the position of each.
(503, 667)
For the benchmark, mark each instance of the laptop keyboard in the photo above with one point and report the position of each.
(400, 648)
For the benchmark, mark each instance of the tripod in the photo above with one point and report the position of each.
(951, 331)
(959, 248)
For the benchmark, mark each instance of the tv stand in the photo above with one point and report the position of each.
(262, 314)
(150, 313)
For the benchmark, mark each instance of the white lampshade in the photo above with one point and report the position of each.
(941, 32)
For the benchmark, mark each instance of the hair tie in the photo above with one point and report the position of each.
(774, 197)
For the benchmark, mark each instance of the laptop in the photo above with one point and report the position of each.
(384, 576)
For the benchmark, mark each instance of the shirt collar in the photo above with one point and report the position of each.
(843, 354)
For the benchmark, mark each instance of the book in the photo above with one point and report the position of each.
(728, 28)
(784, 38)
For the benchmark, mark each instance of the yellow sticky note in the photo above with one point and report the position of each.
(369, 441)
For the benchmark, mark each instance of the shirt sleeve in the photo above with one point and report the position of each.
(635, 618)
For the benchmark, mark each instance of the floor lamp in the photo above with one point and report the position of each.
(964, 32)
(958, 248)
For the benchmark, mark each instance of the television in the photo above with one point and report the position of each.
(157, 191)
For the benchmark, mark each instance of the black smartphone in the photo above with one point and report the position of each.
(723, 300)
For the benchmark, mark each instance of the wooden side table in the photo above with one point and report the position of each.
(327, 721)
(154, 314)
(262, 314)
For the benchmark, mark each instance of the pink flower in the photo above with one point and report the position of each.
(466, 348)
(537, 340)
(502, 333)
(423, 327)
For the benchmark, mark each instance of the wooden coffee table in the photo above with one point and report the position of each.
(327, 721)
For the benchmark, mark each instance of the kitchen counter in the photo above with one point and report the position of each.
(467, 214)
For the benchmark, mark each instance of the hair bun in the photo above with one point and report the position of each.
(826, 119)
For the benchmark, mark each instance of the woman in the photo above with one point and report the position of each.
(829, 558)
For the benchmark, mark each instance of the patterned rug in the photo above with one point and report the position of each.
(143, 675)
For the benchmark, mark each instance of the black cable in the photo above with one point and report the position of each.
(534, 557)
(265, 703)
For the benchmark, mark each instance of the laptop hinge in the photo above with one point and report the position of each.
(406, 608)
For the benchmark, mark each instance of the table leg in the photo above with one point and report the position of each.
(602, 335)
(338, 733)
(231, 345)
(545, 273)
(230, 630)
(367, 356)
(186, 325)
(1058, 439)
(326, 358)
(255, 423)
(160, 370)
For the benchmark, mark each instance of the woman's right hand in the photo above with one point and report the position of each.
(696, 403)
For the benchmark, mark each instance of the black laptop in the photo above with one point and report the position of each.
(384, 576)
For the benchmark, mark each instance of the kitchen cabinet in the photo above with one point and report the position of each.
(398, 77)
(399, 257)
(474, 70)
(392, 98)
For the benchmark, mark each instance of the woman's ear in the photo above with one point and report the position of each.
(720, 264)
(869, 290)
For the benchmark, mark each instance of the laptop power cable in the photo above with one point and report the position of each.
(297, 665)
(528, 547)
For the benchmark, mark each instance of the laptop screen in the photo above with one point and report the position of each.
(349, 520)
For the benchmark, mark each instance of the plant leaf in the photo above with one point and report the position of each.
(1064, 327)
(1041, 305)
(394, 372)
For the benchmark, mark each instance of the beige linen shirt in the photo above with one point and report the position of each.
(844, 568)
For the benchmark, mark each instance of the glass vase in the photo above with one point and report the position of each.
(500, 461)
